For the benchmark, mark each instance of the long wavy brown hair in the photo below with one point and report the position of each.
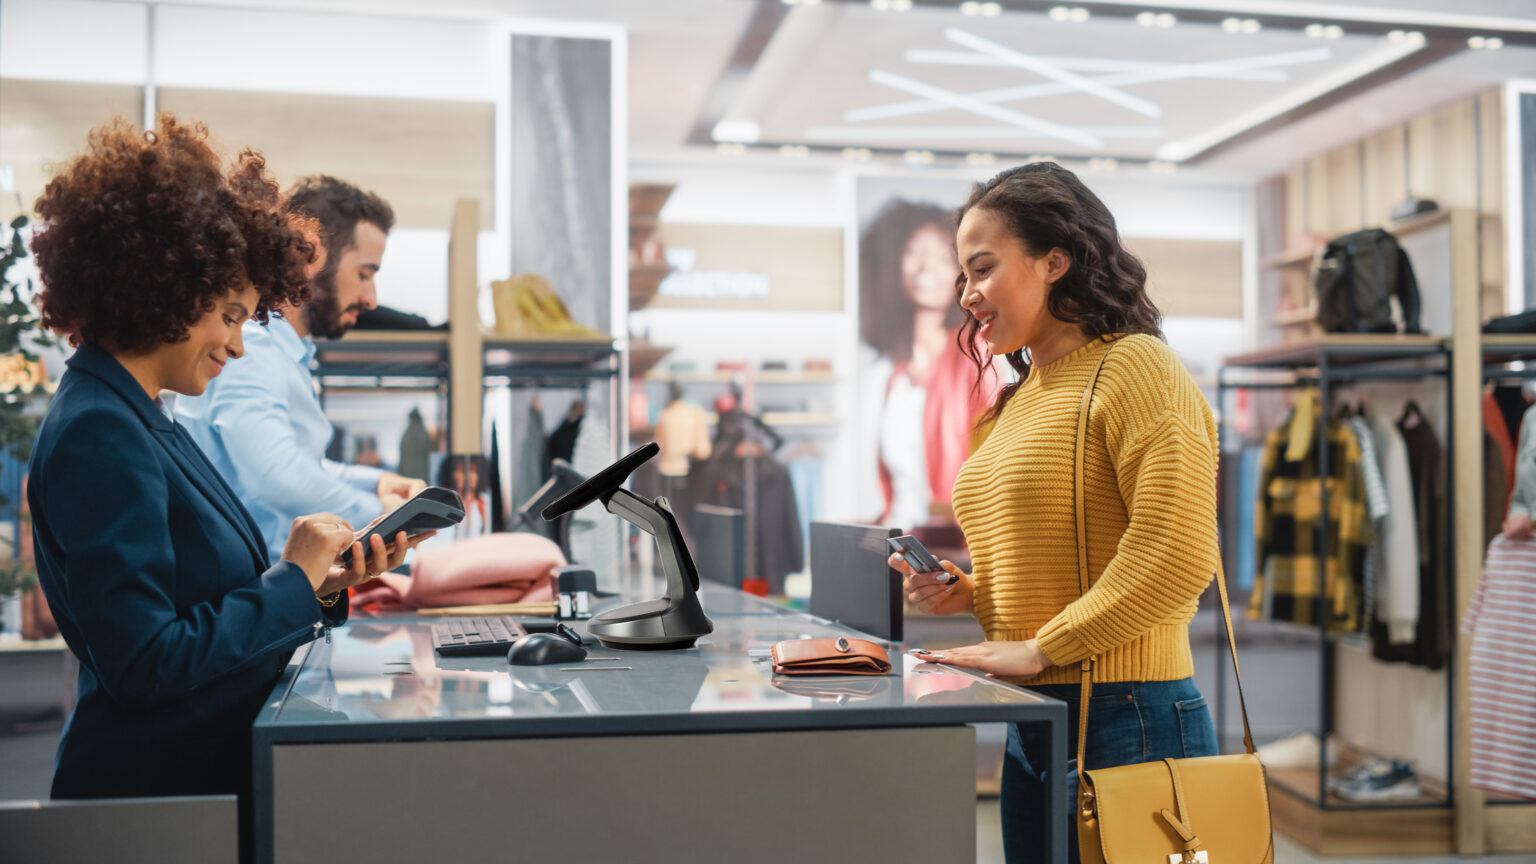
(1104, 291)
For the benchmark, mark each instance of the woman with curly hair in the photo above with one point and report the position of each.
(1046, 283)
(152, 256)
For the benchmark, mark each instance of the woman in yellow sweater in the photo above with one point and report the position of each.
(1046, 283)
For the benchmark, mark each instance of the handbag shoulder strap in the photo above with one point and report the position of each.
(1086, 667)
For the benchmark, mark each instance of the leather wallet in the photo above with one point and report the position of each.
(840, 656)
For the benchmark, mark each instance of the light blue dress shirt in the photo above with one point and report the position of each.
(261, 425)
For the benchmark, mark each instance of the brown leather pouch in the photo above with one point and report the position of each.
(840, 656)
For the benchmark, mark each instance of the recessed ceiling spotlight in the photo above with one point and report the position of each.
(980, 159)
(1102, 164)
(901, 5)
(1494, 43)
(857, 154)
(1146, 19)
(1395, 36)
(1166, 20)
(800, 2)
(727, 148)
(1231, 25)
(1415, 36)
(1078, 15)
(991, 10)
(1314, 30)
(1060, 13)
(744, 131)
(919, 157)
(970, 7)
(1252, 25)
(794, 151)
(880, 5)
(1476, 43)
(1333, 31)
(1159, 166)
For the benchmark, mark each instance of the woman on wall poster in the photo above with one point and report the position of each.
(918, 399)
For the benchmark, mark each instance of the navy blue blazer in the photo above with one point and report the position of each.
(162, 588)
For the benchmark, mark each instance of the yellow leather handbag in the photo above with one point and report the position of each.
(1205, 810)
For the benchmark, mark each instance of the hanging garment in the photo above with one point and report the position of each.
(498, 506)
(1495, 493)
(530, 459)
(775, 541)
(1494, 424)
(562, 442)
(595, 531)
(1249, 469)
(1430, 641)
(1501, 621)
(682, 433)
(1522, 498)
(1288, 586)
(415, 448)
(1378, 508)
(1397, 579)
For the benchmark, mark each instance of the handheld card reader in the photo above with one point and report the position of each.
(431, 509)
(675, 620)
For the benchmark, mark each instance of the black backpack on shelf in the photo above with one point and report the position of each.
(1356, 279)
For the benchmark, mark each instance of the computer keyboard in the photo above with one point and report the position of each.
(475, 637)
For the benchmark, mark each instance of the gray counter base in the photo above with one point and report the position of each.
(805, 796)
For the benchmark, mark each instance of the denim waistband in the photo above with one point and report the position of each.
(1182, 688)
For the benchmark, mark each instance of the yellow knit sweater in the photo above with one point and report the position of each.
(1150, 501)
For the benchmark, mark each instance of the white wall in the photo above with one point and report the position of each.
(759, 190)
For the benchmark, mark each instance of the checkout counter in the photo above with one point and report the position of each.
(372, 748)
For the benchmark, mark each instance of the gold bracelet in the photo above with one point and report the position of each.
(335, 598)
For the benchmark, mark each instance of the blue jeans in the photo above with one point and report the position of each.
(1140, 721)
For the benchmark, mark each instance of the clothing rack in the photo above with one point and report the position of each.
(1328, 364)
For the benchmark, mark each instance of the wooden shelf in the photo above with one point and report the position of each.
(1341, 349)
(1508, 347)
(1421, 222)
(388, 337)
(1295, 257)
(1305, 315)
(1422, 827)
(32, 646)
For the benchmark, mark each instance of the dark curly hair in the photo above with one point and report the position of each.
(882, 298)
(1104, 291)
(145, 232)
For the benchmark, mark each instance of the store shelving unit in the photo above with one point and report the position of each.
(1305, 808)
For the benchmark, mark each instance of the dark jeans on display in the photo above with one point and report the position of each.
(1128, 723)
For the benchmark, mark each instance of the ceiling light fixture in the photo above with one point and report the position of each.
(1166, 20)
(980, 159)
(794, 151)
(891, 5)
(1485, 43)
(1494, 43)
(1333, 31)
(1252, 25)
(1102, 164)
(1231, 25)
(1146, 19)
(743, 131)
(918, 157)
(971, 8)
(727, 148)
(1074, 14)
(1158, 166)
(991, 10)
(1314, 30)
(857, 154)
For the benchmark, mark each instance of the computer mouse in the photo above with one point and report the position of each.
(539, 649)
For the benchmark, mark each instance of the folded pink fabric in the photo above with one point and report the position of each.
(494, 568)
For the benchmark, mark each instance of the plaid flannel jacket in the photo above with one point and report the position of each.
(1287, 585)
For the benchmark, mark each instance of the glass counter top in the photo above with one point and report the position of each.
(378, 678)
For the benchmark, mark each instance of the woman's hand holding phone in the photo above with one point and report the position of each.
(940, 593)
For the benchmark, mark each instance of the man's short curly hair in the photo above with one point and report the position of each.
(145, 232)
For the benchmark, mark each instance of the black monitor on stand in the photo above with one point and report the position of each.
(674, 620)
(562, 479)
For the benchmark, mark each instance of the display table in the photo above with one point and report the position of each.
(372, 748)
